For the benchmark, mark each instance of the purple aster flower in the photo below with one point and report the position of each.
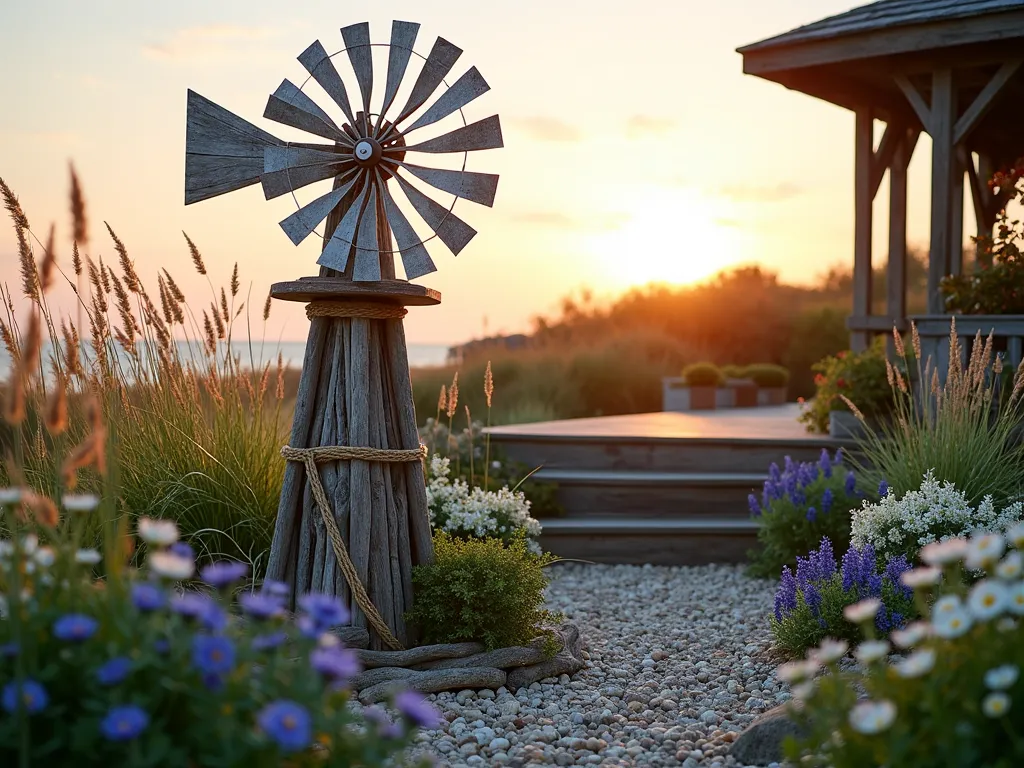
(201, 608)
(148, 597)
(894, 569)
(335, 663)
(826, 500)
(9, 650)
(785, 595)
(774, 473)
(386, 727)
(224, 573)
(851, 483)
(789, 464)
(288, 725)
(212, 654)
(124, 723)
(326, 611)
(75, 627)
(883, 488)
(418, 709)
(182, 549)
(30, 695)
(213, 682)
(268, 641)
(276, 588)
(260, 605)
(755, 508)
(825, 463)
(114, 671)
(839, 457)
(812, 514)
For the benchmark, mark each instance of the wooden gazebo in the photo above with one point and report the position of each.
(950, 68)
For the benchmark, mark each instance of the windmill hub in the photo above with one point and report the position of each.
(367, 152)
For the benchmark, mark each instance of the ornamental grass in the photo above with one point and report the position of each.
(195, 426)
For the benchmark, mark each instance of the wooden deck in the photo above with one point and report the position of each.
(666, 488)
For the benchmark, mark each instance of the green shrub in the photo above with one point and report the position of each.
(767, 375)
(962, 430)
(734, 372)
(799, 505)
(850, 377)
(703, 375)
(809, 604)
(481, 590)
(955, 700)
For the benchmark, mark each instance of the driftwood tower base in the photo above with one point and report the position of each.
(355, 391)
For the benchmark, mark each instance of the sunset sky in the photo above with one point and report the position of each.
(635, 148)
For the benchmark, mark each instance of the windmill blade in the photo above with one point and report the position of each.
(357, 45)
(415, 259)
(367, 266)
(477, 187)
(403, 38)
(452, 231)
(301, 224)
(286, 169)
(223, 152)
(439, 63)
(483, 134)
(321, 68)
(335, 253)
(290, 106)
(464, 90)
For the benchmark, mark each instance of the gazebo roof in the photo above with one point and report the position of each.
(851, 59)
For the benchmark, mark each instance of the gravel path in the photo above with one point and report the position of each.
(679, 663)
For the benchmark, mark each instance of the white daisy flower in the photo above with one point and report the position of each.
(1006, 624)
(44, 557)
(910, 635)
(87, 556)
(952, 623)
(1016, 535)
(1001, 678)
(830, 651)
(916, 664)
(160, 533)
(802, 691)
(1017, 598)
(80, 502)
(170, 565)
(871, 650)
(1011, 566)
(29, 544)
(795, 671)
(943, 552)
(984, 550)
(995, 704)
(6, 548)
(921, 577)
(987, 599)
(9, 496)
(862, 612)
(946, 604)
(870, 717)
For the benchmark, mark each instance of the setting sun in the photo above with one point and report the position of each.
(671, 237)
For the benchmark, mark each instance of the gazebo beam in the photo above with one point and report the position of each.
(941, 121)
(984, 100)
(916, 100)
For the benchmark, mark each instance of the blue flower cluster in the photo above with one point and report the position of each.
(858, 575)
(794, 480)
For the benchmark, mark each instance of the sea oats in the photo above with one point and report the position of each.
(266, 309)
(49, 264)
(131, 280)
(79, 221)
(197, 258)
(488, 383)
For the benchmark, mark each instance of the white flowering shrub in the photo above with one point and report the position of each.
(937, 511)
(467, 512)
(946, 692)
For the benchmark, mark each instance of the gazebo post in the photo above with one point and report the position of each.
(896, 287)
(941, 126)
(864, 156)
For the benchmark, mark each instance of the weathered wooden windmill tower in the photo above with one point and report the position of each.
(352, 519)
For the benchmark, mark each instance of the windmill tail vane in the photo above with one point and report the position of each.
(366, 151)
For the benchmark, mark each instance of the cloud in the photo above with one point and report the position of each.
(563, 221)
(543, 128)
(642, 126)
(752, 193)
(205, 41)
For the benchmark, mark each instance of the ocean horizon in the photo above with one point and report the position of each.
(266, 350)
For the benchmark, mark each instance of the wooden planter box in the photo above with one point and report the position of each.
(844, 425)
(676, 396)
(772, 395)
(745, 393)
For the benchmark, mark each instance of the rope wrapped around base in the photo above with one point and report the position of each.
(310, 457)
(370, 310)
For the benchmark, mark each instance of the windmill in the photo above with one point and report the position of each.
(352, 519)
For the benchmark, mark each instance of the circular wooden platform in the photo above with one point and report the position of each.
(307, 289)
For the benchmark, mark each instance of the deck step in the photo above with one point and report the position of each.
(634, 477)
(655, 541)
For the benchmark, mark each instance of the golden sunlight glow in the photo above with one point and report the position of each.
(672, 236)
